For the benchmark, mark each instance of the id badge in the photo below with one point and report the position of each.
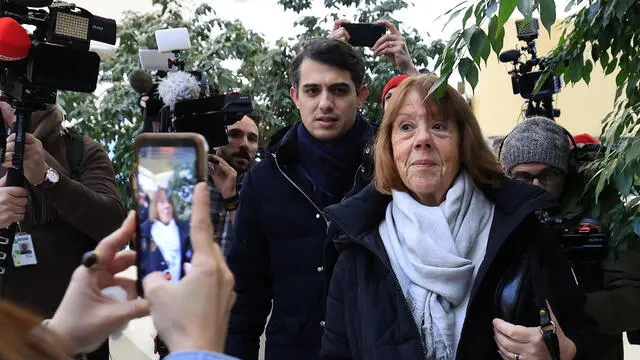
(23, 251)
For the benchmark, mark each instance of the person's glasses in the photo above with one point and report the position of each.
(547, 176)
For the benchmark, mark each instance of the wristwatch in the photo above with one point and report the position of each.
(232, 202)
(51, 178)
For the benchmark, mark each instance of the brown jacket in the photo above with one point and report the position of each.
(65, 220)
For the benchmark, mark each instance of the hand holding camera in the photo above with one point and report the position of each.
(13, 203)
(34, 165)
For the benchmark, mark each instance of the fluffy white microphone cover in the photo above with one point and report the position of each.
(178, 86)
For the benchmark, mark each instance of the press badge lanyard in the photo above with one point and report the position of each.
(23, 252)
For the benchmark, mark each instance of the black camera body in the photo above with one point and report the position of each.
(208, 116)
(584, 245)
(525, 75)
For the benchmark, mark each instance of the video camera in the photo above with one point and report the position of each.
(184, 101)
(585, 246)
(523, 76)
(58, 55)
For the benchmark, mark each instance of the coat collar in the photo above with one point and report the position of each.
(284, 142)
(361, 214)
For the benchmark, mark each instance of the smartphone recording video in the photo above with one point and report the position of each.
(168, 168)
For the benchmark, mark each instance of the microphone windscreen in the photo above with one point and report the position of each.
(141, 81)
(14, 40)
(178, 86)
(509, 56)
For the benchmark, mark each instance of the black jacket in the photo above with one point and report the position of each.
(368, 316)
(277, 255)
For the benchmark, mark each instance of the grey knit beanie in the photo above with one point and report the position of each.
(536, 140)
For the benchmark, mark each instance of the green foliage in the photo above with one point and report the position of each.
(113, 117)
(608, 31)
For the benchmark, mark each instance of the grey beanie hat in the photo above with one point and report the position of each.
(536, 140)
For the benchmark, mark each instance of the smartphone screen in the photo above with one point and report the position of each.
(166, 177)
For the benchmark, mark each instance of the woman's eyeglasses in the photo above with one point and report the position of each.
(547, 176)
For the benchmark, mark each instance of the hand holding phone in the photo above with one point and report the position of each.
(364, 34)
(168, 167)
(193, 314)
(394, 46)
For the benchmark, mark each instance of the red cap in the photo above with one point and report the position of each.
(585, 139)
(395, 81)
(14, 40)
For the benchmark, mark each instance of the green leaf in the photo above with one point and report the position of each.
(466, 16)
(586, 71)
(621, 77)
(611, 67)
(479, 46)
(622, 6)
(595, 51)
(623, 182)
(468, 33)
(604, 59)
(633, 153)
(636, 225)
(526, 8)
(496, 35)
(472, 76)
(439, 86)
(575, 72)
(453, 16)
(505, 11)
(463, 66)
(547, 13)
(468, 71)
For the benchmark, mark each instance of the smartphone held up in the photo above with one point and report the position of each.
(361, 34)
(167, 168)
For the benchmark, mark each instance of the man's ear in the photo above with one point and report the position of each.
(362, 96)
(293, 93)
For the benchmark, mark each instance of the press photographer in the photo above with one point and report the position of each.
(54, 180)
(540, 152)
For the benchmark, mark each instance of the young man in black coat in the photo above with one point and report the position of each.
(277, 254)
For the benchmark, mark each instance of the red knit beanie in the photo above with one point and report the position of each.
(395, 81)
(585, 139)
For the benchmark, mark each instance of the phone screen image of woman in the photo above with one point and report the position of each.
(166, 179)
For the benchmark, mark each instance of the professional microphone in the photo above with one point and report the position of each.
(14, 40)
(509, 56)
(141, 81)
(178, 86)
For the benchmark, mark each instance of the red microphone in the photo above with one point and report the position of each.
(14, 40)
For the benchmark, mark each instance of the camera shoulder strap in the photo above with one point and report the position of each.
(75, 152)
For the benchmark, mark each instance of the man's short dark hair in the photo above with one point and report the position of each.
(336, 53)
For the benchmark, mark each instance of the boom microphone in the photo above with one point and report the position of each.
(178, 86)
(141, 81)
(509, 56)
(14, 40)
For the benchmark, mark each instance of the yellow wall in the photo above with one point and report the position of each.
(497, 108)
